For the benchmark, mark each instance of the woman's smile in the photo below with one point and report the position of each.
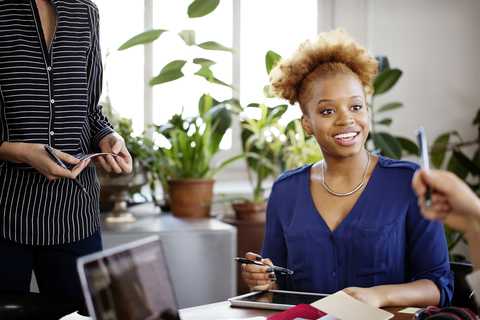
(347, 138)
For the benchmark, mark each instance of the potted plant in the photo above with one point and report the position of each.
(193, 140)
(185, 170)
(269, 149)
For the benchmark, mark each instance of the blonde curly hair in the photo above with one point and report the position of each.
(331, 54)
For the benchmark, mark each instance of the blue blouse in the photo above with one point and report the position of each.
(383, 239)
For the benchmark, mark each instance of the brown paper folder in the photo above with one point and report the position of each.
(345, 307)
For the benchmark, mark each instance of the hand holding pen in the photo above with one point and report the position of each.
(61, 164)
(258, 273)
(258, 263)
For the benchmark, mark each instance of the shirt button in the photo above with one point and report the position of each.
(52, 133)
(49, 68)
(52, 101)
(332, 239)
(334, 273)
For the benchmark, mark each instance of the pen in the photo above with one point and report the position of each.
(423, 150)
(60, 163)
(275, 268)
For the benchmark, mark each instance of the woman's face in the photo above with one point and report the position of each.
(338, 115)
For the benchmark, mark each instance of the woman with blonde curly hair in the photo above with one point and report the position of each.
(350, 222)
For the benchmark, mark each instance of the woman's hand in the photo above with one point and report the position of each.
(114, 143)
(418, 293)
(258, 277)
(34, 155)
(366, 295)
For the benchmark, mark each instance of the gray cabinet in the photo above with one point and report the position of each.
(199, 252)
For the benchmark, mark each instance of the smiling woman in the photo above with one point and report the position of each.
(362, 233)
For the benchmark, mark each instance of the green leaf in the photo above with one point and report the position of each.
(200, 8)
(390, 106)
(205, 103)
(266, 92)
(212, 45)
(253, 105)
(204, 62)
(206, 73)
(170, 72)
(386, 80)
(142, 38)
(221, 119)
(220, 82)
(386, 121)
(456, 165)
(271, 58)
(188, 36)
(439, 148)
(383, 64)
(467, 163)
(219, 166)
(408, 145)
(277, 111)
(477, 118)
(476, 158)
(389, 146)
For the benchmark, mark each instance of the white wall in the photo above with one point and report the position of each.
(435, 43)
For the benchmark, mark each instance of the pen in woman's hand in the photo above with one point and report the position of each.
(60, 163)
(275, 268)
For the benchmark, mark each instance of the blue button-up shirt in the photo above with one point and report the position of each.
(382, 240)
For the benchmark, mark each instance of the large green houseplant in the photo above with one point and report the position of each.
(446, 148)
(270, 148)
(186, 163)
(384, 143)
(193, 141)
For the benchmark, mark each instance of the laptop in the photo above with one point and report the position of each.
(130, 281)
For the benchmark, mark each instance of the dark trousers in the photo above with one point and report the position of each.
(55, 266)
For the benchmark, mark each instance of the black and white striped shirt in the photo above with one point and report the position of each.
(49, 96)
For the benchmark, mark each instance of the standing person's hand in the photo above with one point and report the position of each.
(34, 155)
(453, 202)
(114, 143)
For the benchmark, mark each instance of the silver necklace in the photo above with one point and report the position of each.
(354, 190)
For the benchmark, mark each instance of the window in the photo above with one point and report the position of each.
(277, 25)
(263, 25)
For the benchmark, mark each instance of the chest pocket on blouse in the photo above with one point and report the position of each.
(376, 251)
(299, 256)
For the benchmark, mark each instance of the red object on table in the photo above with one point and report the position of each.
(303, 311)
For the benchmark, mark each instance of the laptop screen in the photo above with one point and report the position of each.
(128, 282)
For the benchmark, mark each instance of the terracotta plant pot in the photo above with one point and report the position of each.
(253, 211)
(189, 198)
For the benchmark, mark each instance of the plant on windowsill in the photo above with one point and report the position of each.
(184, 168)
(269, 149)
(193, 141)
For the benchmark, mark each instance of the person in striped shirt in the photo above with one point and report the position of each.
(50, 84)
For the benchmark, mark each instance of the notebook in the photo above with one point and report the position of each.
(130, 281)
